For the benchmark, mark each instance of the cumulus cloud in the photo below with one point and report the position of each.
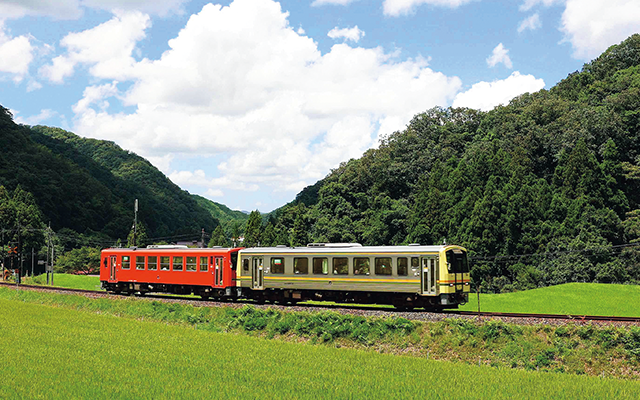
(16, 54)
(486, 95)
(73, 9)
(592, 26)
(396, 8)
(107, 48)
(35, 119)
(354, 34)
(532, 22)
(529, 4)
(332, 2)
(499, 55)
(239, 81)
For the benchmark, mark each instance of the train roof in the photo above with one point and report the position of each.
(348, 248)
(170, 248)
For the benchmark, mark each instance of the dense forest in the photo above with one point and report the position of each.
(544, 190)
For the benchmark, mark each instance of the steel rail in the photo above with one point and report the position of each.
(565, 317)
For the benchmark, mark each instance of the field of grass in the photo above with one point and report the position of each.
(570, 298)
(88, 282)
(61, 353)
(570, 349)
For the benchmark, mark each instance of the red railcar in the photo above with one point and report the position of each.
(206, 272)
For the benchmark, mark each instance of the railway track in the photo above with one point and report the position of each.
(337, 307)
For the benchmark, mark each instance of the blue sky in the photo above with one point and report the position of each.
(246, 102)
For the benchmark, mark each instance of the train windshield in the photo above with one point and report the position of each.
(457, 261)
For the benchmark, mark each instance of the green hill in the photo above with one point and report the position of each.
(89, 186)
(222, 213)
(554, 175)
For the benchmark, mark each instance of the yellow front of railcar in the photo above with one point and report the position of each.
(454, 279)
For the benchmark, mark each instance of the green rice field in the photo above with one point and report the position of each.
(570, 298)
(61, 353)
(88, 282)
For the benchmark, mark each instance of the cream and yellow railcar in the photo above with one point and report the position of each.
(405, 276)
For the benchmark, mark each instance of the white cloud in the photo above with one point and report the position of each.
(592, 26)
(96, 94)
(529, 4)
(36, 119)
(532, 22)
(396, 8)
(486, 95)
(73, 9)
(16, 54)
(499, 55)
(240, 81)
(332, 2)
(107, 48)
(214, 193)
(354, 34)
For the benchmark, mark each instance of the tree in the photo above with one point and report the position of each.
(254, 229)
(141, 236)
(218, 238)
(84, 260)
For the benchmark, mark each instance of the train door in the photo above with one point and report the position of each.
(429, 275)
(112, 268)
(218, 271)
(257, 273)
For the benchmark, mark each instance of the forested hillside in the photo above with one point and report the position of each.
(89, 186)
(548, 183)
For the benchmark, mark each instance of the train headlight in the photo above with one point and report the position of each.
(451, 284)
(466, 283)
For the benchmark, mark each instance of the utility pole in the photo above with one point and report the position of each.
(19, 254)
(135, 221)
(46, 266)
(202, 243)
(32, 262)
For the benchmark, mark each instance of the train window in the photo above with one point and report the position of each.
(361, 266)
(204, 264)
(164, 263)
(152, 263)
(234, 260)
(340, 266)
(177, 263)
(277, 265)
(383, 266)
(402, 266)
(191, 263)
(415, 263)
(126, 262)
(301, 265)
(320, 266)
(245, 265)
(139, 262)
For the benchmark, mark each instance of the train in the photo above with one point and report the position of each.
(407, 277)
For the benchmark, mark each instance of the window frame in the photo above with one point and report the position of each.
(173, 263)
(149, 263)
(295, 266)
(378, 268)
(357, 268)
(406, 266)
(324, 265)
(345, 265)
(206, 264)
(166, 264)
(194, 264)
(144, 263)
(272, 264)
(127, 262)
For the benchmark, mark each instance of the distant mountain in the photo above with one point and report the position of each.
(222, 213)
(89, 186)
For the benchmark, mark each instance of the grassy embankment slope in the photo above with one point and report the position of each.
(87, 282)
(62, 353)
